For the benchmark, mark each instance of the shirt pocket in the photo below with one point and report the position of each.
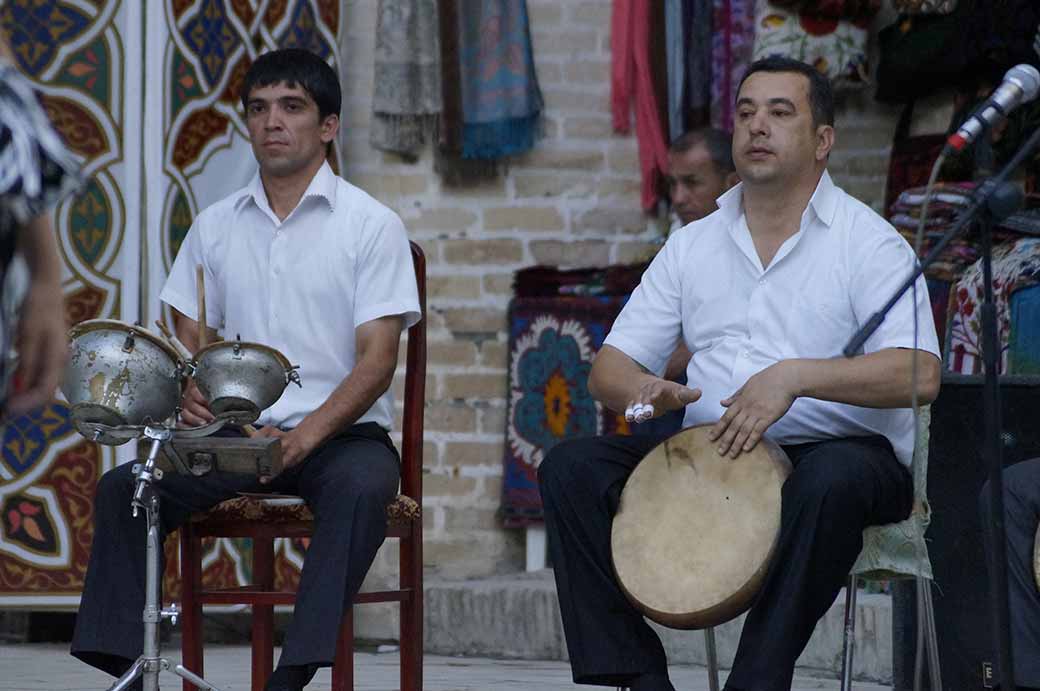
(821, 324)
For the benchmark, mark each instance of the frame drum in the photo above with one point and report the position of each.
(694, 533)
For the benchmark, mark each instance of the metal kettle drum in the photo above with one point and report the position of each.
(119, 374)
(242, 379)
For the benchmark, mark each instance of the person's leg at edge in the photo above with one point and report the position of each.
(837, 489)
(609, 642)
(1021, 516)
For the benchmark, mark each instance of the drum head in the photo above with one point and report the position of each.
(694, 533)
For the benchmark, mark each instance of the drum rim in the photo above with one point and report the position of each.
(219, 345)
(85, 327)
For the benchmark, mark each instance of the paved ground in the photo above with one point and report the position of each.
(39, 667)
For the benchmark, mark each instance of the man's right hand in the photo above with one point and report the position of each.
(657, 397)
(195, 411)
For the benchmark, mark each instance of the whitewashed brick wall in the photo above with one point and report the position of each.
(573, 201)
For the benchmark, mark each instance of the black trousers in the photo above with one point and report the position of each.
(347, 483)
(1021, 517)
(837, 488)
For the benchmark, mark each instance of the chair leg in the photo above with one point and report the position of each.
(263, 615)
(411, 581)
(849, 637)
(924, 586)
(343, 665)
(191, 608)
(713, 658)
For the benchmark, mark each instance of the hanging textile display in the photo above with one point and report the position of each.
(150, 110)
(837, 48)
(698, 30)
(406, 95)
(632, 86)
(1016, 266)
(501, 101)
(732, 46)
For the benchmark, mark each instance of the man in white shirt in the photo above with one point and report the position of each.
(304, 262)
(764, 292)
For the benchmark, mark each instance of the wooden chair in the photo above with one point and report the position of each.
(263, 521)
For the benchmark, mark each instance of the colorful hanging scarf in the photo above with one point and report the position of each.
(732, 44)
(632, 79)
(501, 101)
(406, 96)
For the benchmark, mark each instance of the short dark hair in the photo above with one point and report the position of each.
(294, 66)
(719, 144)
(821, 96)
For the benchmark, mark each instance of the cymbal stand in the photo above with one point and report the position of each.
(146, 498)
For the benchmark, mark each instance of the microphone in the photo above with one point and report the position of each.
(1021, 84)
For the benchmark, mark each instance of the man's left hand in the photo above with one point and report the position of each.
(753, 408)
(297, 444)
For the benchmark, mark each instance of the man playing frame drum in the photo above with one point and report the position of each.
(764, 292)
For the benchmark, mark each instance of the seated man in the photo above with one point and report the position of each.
(304, 262)
(700, 169)
(1021, 520)
(765, 293)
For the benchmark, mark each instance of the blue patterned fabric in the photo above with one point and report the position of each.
(501, 101)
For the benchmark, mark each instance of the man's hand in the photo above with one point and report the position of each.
(753, 408)
(657, 397)
(297, 444)
(195, 410)
(42, 345)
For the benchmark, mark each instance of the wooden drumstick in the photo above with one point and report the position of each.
(200, 291)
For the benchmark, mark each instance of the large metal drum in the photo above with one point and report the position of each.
(695, 531)
(241, 379)
(119, 374)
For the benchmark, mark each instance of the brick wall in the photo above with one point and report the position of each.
(573, 201)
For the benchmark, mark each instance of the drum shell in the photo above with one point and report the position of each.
(695, 532)
(118, 374)
(242, 377)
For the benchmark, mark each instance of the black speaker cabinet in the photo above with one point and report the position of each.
(956, 474)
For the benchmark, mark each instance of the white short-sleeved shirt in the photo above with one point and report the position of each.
(302, 285)
(707, 286)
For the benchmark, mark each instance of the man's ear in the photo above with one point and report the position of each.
(824, 141)
(329, 128)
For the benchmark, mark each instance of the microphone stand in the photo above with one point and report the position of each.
(995, 199)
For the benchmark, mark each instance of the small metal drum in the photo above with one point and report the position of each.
(118, 374)
(695, 531)
(242, 379)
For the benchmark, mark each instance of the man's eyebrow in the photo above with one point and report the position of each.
(778, 101)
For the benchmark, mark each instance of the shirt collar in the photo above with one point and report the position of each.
(322, 185)
(824, 201)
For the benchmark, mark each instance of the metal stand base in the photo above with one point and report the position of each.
(148, 666)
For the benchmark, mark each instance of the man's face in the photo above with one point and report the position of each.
(694, 183)
(287, 133)
(774, 139)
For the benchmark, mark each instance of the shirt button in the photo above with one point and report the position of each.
(762, 281)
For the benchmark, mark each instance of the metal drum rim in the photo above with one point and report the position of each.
(85, 327)
(244, 344)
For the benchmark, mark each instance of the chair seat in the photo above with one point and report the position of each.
(400, 512)
(895, 550)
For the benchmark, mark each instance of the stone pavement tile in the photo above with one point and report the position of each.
(48, 667)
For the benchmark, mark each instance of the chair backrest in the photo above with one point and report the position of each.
(414, 390)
